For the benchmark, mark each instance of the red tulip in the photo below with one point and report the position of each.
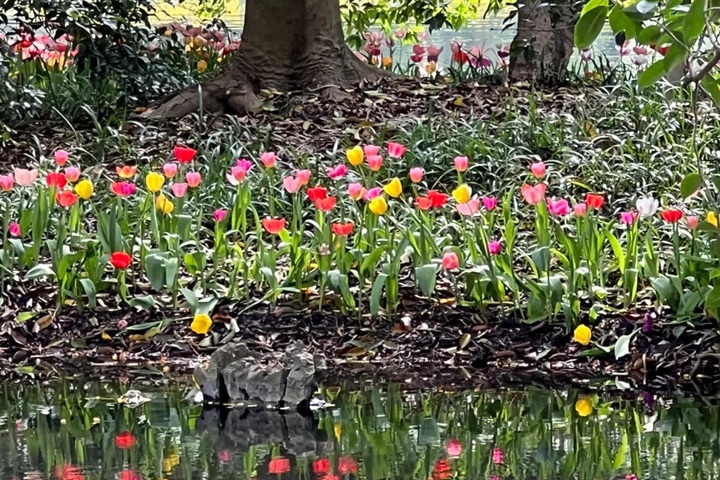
(438, 199)
(442, 470)
(184, 154)
(124, 440)
(57, 180)
(321, 466)
(450, 261)
(316, 193)
(672, 215)
(66, 199)
(279, 466)
(342, 229)
(325, 204)
(273, 225)
(123, 189)
(347, 465)
(594, 201)
(120, 260)
(423, 203)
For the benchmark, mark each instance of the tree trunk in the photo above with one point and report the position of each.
(543, 45)
(286, 45)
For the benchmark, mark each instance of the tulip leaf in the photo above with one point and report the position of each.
(426, 276)
(190, 298)
(690, 184)
(90, 291)
(376, 294)
(39, 271)
(146, 302)
(712, 301)
(155, 270)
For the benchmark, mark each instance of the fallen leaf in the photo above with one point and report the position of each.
(42, 323)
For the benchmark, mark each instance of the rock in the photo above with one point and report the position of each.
(300, 384)
(211, 381)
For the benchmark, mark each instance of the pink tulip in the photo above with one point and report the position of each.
(416, 174)
(453, 447)
(6, 182)
(220, 215)
(245, 164)
(268, 159)
(497, 456)
(396, 150)
(538, 169)
(24, 177)
(72, 174)
(170, 169)
(61, 157)
(490, 203)
(628, 218)
(372, 193)
(193, 179)
(356, 191)
(461, 163)
(336, 173)
(292, 184)
(494, 247)
(371, 150)
(375, 162)
(580, 209)
(237, 174)
(303, 176)
(559, 208)
(450, 261)
(693, 222)
(468, 209)
(533, 195)
(14, 229)
(179, 189)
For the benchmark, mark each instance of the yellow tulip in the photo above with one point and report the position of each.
(387, 62)
(394, 188)
(201, 323)
(202, 66)
(462, 194)
(163, 204)
(355, 155)
(430, 68)
(584, 407)
(154, 181)
(337, 428)
(84, 189)
(582, 334)
(712, 219)
(378, 205)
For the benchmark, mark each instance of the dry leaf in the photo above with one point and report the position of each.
(42, 323)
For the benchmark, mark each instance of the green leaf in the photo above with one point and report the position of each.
(146, 302)
(712, 301)
(589, 26)
(191, 298)
(675, 56)
(38, 271)
(710, 85)
(621, 22)
(652, 74)
(593, 4)
(690, 184)
(694, 22)
(90, 291)
(155, 270)
(649, 35)
(172, 265)
(617, 249)
(426, 276)
(622, 347)
(376, 294)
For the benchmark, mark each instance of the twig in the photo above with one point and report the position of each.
(703, 71)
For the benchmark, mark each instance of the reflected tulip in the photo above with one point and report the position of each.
(584, 407)
(453, 447)
(321, 466)
(497, 456)
(347, 465)
(279, 466)
(124, 440)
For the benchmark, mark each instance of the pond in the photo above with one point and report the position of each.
(83, 433)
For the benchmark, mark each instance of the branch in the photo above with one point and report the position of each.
(703, 71)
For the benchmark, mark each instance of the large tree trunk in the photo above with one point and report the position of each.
(286, 45)
(543, 45)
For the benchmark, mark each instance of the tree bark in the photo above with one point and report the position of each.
(543, 45)
(286, 45)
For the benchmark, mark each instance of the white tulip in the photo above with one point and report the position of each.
(646, 206)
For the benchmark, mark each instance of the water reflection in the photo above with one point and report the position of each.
(82, 434)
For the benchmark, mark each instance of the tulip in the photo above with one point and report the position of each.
(120, 260)
(6, 182)
(450, 261)
(672, 215)
(336, 173)
(84, 189)
(342, 229)
(72, 174)
(24, 177)
(580, 209)
(154, 181)
(628, 218)
(303, 176)
(372, 194)
(490, 203)
(61, 157)
(201, 323)
(395, 150)
(14, 229)
(584, 408)
(371, 150)
(582, 334)
(321, 467)
(437, 199)
(469, 208)
(170, 169)
(378, 205)
(236, 175)
(453, 447)
(124, 440)
(356, 191)
(245, 164)
(355, 155)
(693, 222)
(291, 184)
(184, 154)
(646, 206)
(279, 466)
(416, 174)
(594, 201)
(538, 169)
(559, 207)
(273, 225)
(56, 180)
(220, 215)
(316, 193)
(394, 188)
(268, 159)
(712, 219)
(126, 171)
(122, 189)
(325, 204)
(193, 179)
(66, 198)
(461, 163)
(533, 195)
(179, 189)
(494, 247)
(462, 193)
(497, 456)
(423, 203)
(164, 204)
(374, 162)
